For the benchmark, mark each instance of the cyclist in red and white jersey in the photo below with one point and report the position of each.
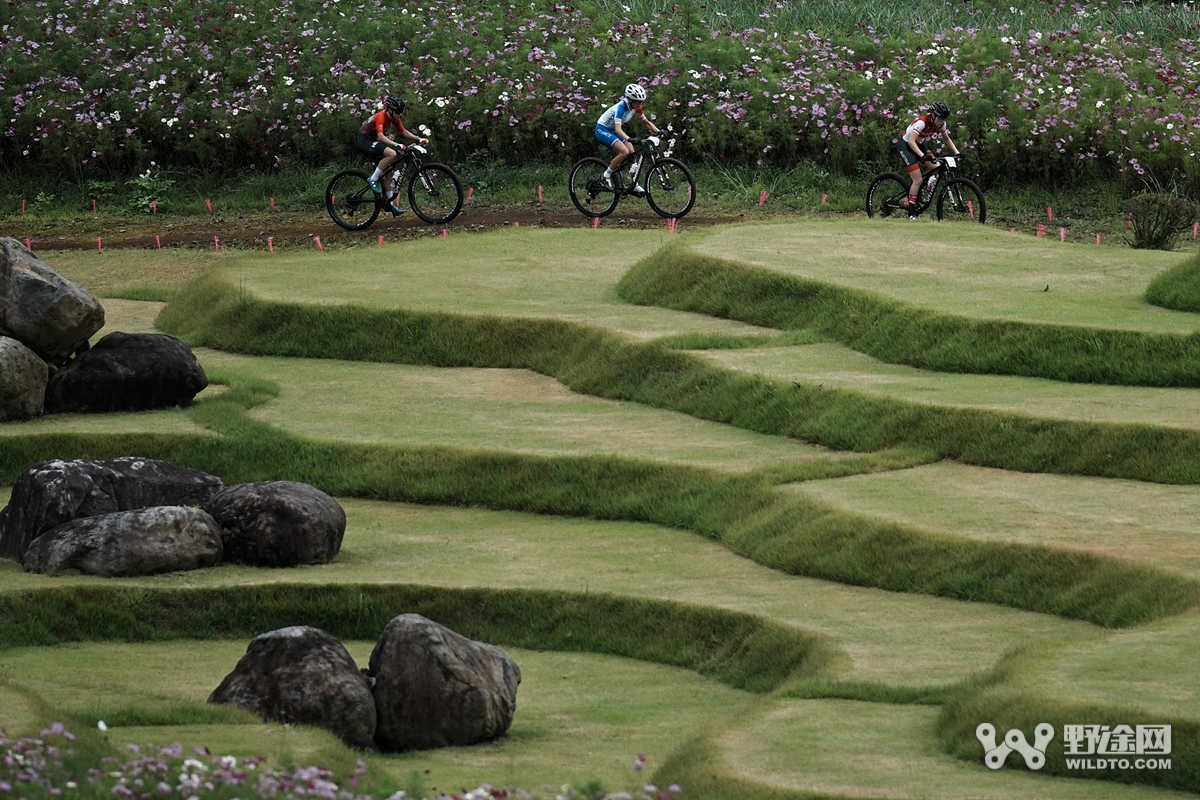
(913, 148)
(382, 149)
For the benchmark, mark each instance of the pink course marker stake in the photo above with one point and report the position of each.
(1129, 220)
(516, 224)
(28, 245)
(22, 206)
(320, 247)
(271, 244)
(272, 203)
(1195, 230)
(1062, 234)
(762, 197)
(94, 207)
(1012, 230)
(470, 191)
(971, 208)
(539, 193)
(824, 197)
(216, 243)
(595, 223)
(444, 234)
(1041, 230)
(157, 241)
(1097, 238)
(99, 247)
(208, 203)
(1049, 214)
(153, 206)
(381, 238)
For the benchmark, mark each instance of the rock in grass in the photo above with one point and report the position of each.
(145, 541)
(304, 676)
(22, 381)
(52, 316)
(55, 492)
(435, 688)
(278, 523)
(127, 372)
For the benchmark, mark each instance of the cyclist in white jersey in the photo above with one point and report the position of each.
(610, 130)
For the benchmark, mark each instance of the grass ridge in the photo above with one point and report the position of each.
(738, 649)
(892, 331)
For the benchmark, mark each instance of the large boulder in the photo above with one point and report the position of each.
(434, 687)
(54, 492)
(278, 523)
(302, 675)
(22, 381)
(52, 316)
(127, 372)
(145, 541)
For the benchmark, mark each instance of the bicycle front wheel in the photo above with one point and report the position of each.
(961, 199)
(588, 192)
(350, 201)
(670, 188)
(435, 193)
(885, 195)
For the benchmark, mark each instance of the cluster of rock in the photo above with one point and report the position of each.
(141, 516)
(46, 365)
(426, 686)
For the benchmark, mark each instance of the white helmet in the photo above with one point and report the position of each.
(635, 92)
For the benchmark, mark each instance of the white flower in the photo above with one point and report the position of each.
(1099, 103)
(101, 724)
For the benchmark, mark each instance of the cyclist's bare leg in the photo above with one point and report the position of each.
(914, 190)
(621, 151)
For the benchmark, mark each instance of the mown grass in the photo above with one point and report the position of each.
(1145, 523)
(579, 716)
(899, 333)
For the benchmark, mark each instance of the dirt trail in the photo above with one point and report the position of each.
(251, 231)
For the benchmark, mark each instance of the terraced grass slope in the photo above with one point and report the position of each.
(551, 472)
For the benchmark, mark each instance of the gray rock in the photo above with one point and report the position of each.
(52, 316)
(54, 492)
(127, 372)
(434, 687)
(145, 541)
(304, 676)
(278, 523)
(22, 381)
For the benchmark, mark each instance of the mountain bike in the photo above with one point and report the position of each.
(952, 196)
(666, 183)
(434, 192)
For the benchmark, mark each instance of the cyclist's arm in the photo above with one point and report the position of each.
(653, 128)
(621, 134)
(950, 142)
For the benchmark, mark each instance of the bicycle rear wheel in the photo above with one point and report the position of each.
(961, 199)
(588, 191)
(885, 194)
(670, 188)
(435, 193)
(350, 201)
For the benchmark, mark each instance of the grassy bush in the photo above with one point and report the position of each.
(895, 332)
(1158, 220)
(1177, 289)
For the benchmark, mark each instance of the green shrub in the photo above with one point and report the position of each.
(1158, 220)
(1178, 288)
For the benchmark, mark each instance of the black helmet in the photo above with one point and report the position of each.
(395, 103)
(940, 109)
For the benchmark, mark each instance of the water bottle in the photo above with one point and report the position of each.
(633, 171)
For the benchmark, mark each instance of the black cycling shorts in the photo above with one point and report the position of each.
(372, 147)
(907, 155)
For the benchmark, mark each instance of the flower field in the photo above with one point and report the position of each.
(1047, 92)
